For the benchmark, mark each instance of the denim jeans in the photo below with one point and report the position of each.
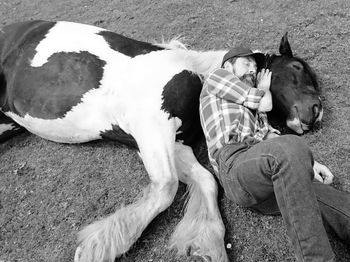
(276, 176)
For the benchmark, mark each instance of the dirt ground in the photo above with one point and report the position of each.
(49, 191)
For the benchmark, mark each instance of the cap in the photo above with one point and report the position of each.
(243, 51)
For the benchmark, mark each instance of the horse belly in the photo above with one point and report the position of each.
(83, 123)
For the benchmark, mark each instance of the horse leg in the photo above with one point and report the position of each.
(112, 236)
(8, 128)
(201, 231)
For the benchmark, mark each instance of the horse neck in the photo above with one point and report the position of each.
(205, 62)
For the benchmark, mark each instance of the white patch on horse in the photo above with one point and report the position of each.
(6, 127)
(73, 37)
(82, 124)
(295, 125)
(320, 115)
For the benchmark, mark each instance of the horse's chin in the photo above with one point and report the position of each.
(294, 122)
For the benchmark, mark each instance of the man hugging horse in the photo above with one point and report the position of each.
(260, 169)
(74, 83)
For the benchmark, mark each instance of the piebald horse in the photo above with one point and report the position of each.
(74, 83)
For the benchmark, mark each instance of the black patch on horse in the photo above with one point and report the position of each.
(181, 99)
(18, 40)
(19, 37)
(118, 134)
(128, 46)
(52, 90)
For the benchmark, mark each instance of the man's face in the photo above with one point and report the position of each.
(245, 69)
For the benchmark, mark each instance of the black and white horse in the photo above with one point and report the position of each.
(73, 83)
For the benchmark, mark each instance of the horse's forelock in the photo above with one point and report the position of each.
(268, 60)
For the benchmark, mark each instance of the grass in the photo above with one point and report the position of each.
(48, 191)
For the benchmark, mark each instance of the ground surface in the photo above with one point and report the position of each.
(49, 191)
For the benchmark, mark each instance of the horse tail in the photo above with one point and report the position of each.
(8, 128)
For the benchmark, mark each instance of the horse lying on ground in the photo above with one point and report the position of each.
(74, 83)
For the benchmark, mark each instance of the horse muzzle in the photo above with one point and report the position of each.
(301, 122)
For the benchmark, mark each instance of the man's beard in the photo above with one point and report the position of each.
(249, 79)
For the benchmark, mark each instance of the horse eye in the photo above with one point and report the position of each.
(297, 66)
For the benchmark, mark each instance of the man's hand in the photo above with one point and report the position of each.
(263, 82)
(322, 173)
(271, 134)
(263, 79)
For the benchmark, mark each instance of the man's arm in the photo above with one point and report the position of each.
(227, 86)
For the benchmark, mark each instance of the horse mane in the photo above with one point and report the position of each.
(200, 62)
(268, 60)
(173, 44)
(204, 62)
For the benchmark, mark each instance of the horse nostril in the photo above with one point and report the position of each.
(316, 110)
(317, 126)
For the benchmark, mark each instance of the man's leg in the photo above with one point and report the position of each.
(280, 166)
(335, 209)
(334, 205)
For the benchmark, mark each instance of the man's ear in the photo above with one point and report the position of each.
(228, 66)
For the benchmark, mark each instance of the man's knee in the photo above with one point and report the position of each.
(294, 146)
(293, 153)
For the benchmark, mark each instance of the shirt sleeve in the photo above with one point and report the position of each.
(226, 85)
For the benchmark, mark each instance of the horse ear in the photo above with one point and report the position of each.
(285, 46)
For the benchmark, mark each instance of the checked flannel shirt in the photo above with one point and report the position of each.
(228, 112)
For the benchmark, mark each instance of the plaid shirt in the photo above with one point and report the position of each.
(228, 112)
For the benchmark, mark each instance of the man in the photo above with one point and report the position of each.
(258, 168)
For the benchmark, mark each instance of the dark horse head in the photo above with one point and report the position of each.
(295, 91)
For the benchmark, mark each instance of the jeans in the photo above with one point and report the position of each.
(276, 176)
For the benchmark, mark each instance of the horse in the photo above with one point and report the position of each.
(74, 83)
